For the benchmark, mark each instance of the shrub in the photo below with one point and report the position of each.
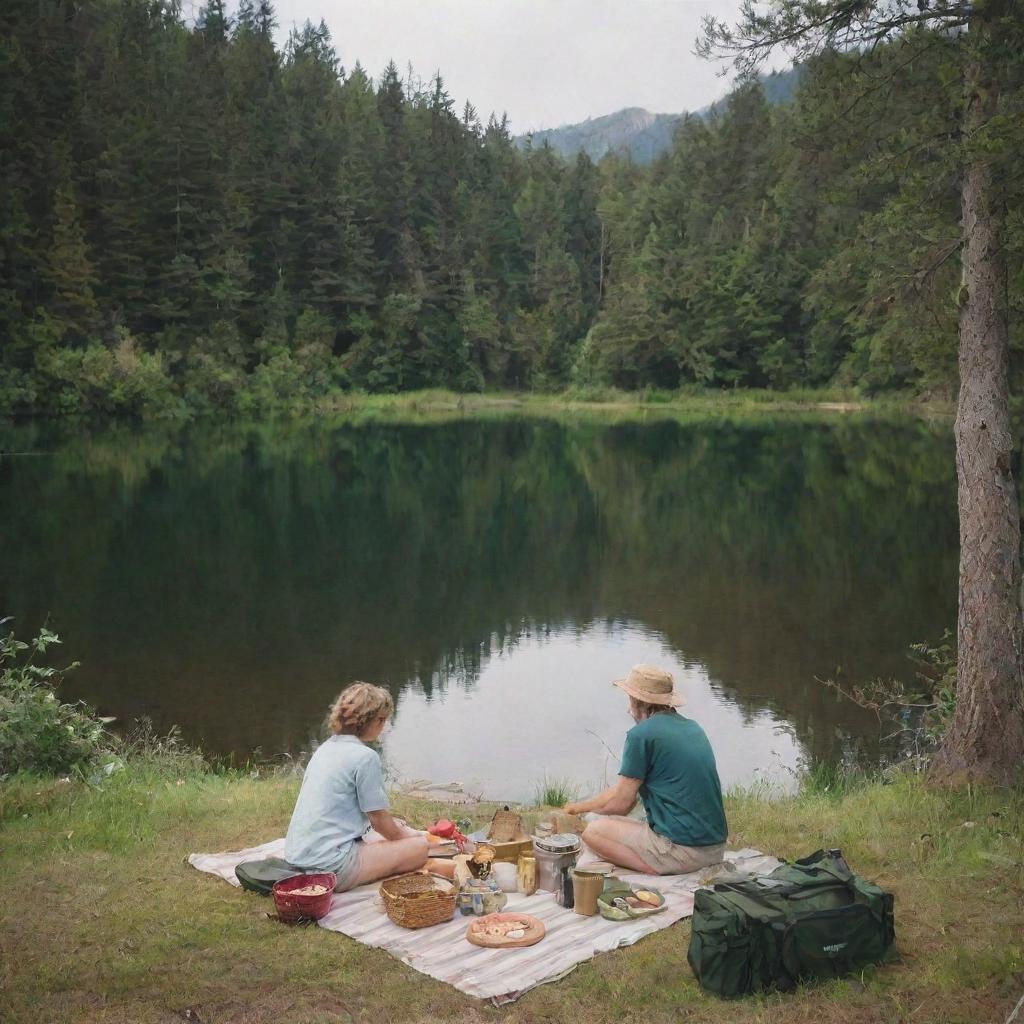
(38, 732)
(140, 384)
(124, 379)
(275, 385)
(314, 352)
(920, 713)
(214, 376)
(17, 391)
(211, 384)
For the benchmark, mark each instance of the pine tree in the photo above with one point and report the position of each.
(70, 270)
(986, 740)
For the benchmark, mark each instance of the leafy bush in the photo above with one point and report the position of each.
(38, 732)
(922, 712)
(211, 384)
(291, 378)
(275, 385)
(17, 391)
(100, 379)
(214, 374)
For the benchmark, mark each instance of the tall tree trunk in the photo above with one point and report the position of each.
(986, 739)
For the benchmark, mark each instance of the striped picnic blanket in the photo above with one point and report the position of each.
(500, 975)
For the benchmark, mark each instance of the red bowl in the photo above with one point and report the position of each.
(293, 907)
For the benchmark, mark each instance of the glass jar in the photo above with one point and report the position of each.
(481, 896)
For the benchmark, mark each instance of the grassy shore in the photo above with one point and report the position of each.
(102, 921)
(611, 403)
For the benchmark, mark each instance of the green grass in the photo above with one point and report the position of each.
(605, 404)
(102, 921)
(553, 791)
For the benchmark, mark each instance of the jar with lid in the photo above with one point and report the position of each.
(553, 853)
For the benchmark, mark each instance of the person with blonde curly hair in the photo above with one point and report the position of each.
(343, 796)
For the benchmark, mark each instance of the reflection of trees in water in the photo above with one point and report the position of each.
(463, 666)
(788, 551)
(230, 580)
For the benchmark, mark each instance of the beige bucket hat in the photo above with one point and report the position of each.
(652, 685)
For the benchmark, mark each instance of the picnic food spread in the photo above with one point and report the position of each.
(506, 931)
(502, 859)
(620, 901)
(309, 890)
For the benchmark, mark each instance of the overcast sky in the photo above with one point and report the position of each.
(545, 62)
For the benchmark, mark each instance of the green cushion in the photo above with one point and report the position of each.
(260, 875)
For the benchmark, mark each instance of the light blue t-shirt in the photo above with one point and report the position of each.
(343, 782)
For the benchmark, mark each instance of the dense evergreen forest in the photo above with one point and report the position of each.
(194, 219)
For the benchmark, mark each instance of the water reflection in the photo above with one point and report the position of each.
(546, 709)
(228, 580)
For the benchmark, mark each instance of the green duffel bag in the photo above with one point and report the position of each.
(810, 919)
(260, 875)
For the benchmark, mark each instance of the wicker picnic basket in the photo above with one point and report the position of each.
(416, 901)
(506, 825)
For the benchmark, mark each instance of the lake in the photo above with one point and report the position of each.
(496, 574)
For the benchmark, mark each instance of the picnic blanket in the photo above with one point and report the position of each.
(500, 975)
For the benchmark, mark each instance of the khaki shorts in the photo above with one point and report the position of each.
(668, 858)
(348, 870)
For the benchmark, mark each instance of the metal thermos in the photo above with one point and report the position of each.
(566, 896)
(552, 854)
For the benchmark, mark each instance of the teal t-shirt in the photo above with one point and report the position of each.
(673, 760)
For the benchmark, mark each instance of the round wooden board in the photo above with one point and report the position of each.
(535, 931)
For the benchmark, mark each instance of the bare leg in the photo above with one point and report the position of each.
(615, 839)
(391, 857)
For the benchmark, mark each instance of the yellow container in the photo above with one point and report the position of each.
(512, 850)
(526, 875)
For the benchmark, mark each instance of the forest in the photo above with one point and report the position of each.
(197, 221)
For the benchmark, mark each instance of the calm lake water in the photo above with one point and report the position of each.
(495, 574)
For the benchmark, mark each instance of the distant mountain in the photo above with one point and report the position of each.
(639, 132)
(642, 133)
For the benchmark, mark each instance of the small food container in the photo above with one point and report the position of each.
(481, 896)
(304, 897)
(553, 853)
(526, 875)
(506, 876)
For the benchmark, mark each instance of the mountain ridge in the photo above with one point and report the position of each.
(642, 133)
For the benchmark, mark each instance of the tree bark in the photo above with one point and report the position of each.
(986, 739)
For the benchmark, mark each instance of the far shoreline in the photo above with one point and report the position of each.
(595, 405)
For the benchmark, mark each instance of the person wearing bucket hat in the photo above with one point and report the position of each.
(668, 764)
